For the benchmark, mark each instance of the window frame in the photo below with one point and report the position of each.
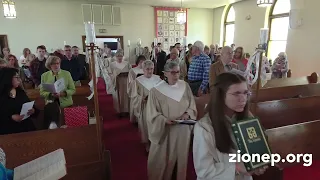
(272, 17)
(225, 23)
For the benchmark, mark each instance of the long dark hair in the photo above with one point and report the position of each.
(6, 75)
(216, 109)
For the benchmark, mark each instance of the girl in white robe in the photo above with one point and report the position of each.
(213, 138)
(133, 74)
(119, 74)
(168, 101)
(139, 95)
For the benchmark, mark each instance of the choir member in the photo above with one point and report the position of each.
(139, 96)
(133, 74)
(213, 139)
(118, 72)
(170, 100)
(12, 96)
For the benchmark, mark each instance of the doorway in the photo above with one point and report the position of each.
(3, 43)
(102, 40)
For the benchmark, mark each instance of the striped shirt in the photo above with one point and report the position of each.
(199, 70)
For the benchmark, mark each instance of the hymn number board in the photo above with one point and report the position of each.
(168, 31)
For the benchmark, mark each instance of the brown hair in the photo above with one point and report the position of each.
(25, 51)
(242, 52)
(16, 64)
(216, 109)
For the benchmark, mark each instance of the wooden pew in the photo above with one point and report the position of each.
(286, 92)
(313, 78)
(288, 111)
(296, 139)
(80, 146)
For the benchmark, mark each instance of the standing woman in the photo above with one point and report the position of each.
(12, 97)
(62, 99)
(25, 54)
(213, 138)
(139, 96)
(133, 74)
(240, 59)
(118, 72)
(170, 100)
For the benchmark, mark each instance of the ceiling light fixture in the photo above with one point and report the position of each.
(9, 9)
(265, 3)
(181, 15)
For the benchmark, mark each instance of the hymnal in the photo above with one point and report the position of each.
(251, 140)
(51, 166)
(189, 121)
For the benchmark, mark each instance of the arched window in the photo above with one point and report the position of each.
(229, 21)
(278, 25)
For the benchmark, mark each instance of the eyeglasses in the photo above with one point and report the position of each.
(237, 94)
(174, 72)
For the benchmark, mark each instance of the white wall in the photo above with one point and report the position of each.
(301, 44)
(52, 22)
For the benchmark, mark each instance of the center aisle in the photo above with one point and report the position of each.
(128, 157)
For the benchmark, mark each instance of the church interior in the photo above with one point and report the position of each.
(101, 117)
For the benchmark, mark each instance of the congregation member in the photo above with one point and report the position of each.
(71, 64)
(174, 55)
(38, 66)
(84, 66)
(118, 72)
(160, 61)
(26, 52)
(133, 74)
(198, 74)
(13, 63)
(179, 48)
(6, 53)
(139, 96)
(170, 100)
(64, 98)
(3, 63)
(280, 66)
(224, 65)
(212, 53)
(12, 97)
(189, 46)
(213, 139)
(239, 59)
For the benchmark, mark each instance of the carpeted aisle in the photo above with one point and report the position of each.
(128, 157)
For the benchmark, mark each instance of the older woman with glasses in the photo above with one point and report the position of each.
(13, 97)
(139, 96)
(170, 100)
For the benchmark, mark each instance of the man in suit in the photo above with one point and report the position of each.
(161, 61)
(81, 58)
(225, 65)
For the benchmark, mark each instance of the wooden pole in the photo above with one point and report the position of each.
(92, 48)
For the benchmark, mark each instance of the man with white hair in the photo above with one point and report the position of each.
(198, 74)
(225, 65)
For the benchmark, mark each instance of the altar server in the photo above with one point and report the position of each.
(119, 74)
(213, 139)
(133, 74)
(170, 100)
(139, 96)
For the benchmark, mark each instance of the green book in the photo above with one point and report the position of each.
(251, 140)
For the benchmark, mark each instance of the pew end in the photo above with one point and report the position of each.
(313, 78)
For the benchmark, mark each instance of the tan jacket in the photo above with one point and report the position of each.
(216, 69)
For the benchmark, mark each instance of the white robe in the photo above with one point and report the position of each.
(169, 143)
(140, 90)
(120, 96)
(209, 162)
(131, 78)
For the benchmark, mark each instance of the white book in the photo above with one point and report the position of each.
(25, 109)
(56, 87)
(51, 166)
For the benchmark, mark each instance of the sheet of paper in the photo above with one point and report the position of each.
(49, 87)
(49, 166)
(25, 108)
(59, 85)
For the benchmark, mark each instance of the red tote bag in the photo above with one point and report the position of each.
(76, 116)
